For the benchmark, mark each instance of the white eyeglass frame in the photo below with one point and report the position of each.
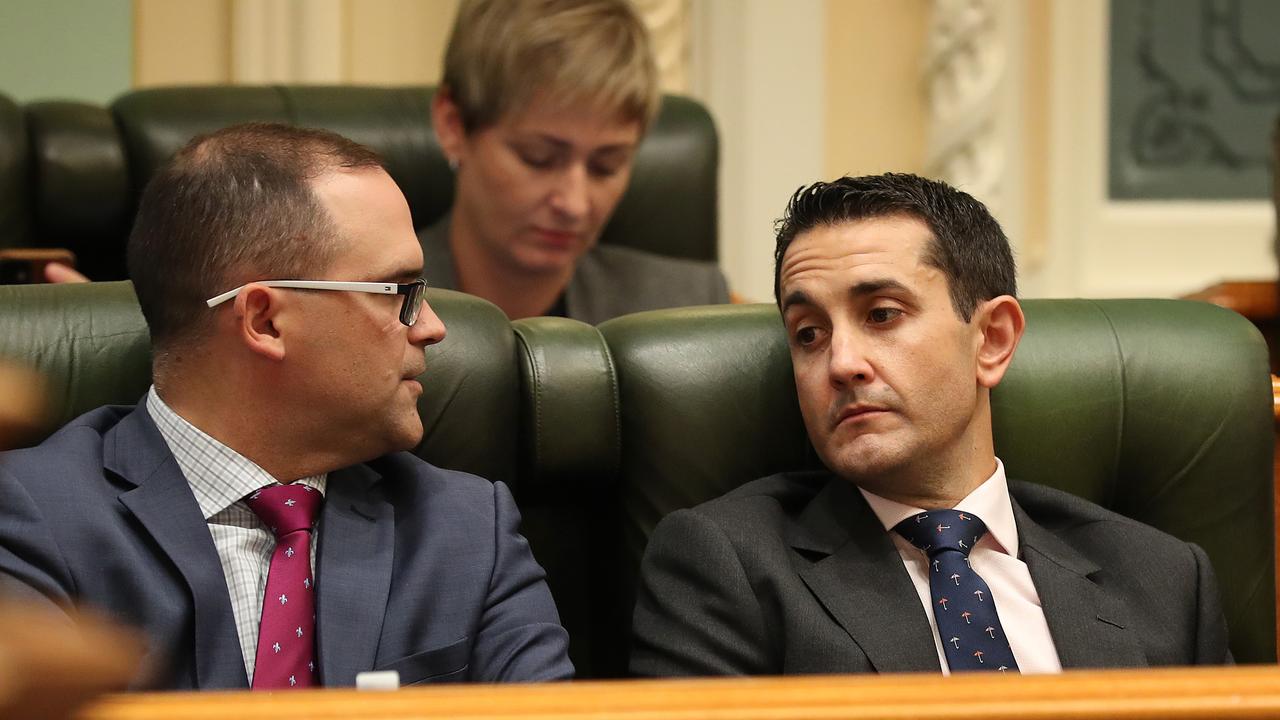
(377, 288)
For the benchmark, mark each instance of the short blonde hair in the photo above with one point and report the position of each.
(592, 53)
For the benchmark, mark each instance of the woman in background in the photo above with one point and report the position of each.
(540, 111)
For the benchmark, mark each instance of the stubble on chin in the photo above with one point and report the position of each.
(866, 464)
(407, 434)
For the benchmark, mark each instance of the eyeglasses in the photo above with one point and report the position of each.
(413, 292)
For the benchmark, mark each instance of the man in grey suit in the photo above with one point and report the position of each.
(278, 272)
(913, 552)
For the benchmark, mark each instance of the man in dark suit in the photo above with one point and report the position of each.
(913, 551)
(256, 514)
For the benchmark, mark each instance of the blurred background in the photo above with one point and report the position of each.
(1124, 145)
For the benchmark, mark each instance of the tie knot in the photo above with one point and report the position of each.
(936, 530)
(286, 508)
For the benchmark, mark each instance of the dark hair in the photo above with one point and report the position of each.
(230, 207)
(968, 245)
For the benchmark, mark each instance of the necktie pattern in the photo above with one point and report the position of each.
(286, 636)
(963, 607)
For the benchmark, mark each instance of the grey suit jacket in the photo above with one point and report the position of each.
(418, 569)
(793, 573)
(609, 280)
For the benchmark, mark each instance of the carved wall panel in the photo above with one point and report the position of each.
(975, 81)
(668, 22)
(1195, 90)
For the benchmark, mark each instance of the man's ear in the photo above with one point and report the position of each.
(1000, 323)
(446, 119)
(255, 313)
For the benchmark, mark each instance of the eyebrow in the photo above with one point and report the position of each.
(561, 144)
(871, 287)
(862, 289)
(404, 273)
(793, 298)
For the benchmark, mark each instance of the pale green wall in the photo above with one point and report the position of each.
(66, 49)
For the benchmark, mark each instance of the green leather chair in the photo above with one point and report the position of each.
(1160, 410)
(1157, 409)
(91, 343)
(71, 173)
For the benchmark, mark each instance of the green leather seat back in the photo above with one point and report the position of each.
(91, 343)
(669, 209)
(155, 123)
(80, 193)
(71, 172)
(63, 183)
(708, 403)
(1157, 409)
(568, 494)
(490, 406)
(15, 205)
(1160, 410)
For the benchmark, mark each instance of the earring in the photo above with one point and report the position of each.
(453, 163)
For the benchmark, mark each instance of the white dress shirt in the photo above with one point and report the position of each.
(995, 558)
(220, 479)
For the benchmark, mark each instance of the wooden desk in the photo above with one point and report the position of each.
(1247, 692)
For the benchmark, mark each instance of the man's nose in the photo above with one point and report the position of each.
(571, 195)
(428, 328)
(850, 363)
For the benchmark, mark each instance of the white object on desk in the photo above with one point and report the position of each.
(379, 680)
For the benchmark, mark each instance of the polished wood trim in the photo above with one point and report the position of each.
(1275, 399)
(1242, 692)
(1275, 495)
(1256, 300)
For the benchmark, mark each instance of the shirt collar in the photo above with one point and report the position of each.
(219, 476)
(989, 501)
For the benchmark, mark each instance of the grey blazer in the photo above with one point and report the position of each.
(793, 573)
(418, 569)
(609, 280)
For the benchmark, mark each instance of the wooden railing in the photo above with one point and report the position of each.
(1244, 692)
(1275, 474)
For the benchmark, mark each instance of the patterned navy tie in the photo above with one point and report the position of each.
(962, 604)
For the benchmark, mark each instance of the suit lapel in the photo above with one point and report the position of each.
(162, 502)
(1090, 628)
(353, 574)
(860, 580)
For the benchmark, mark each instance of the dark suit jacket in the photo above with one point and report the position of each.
(793, 573)
(609, 280)
(419, 569)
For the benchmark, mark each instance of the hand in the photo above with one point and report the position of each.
(58, 273)
(52, 666)
(24, 415)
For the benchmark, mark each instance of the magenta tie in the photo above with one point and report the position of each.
(286, 635)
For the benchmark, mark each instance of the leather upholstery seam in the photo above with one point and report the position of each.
(611, 373)
(1124, 403)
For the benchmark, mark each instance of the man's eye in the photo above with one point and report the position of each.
(806, 335)
(882, 315)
